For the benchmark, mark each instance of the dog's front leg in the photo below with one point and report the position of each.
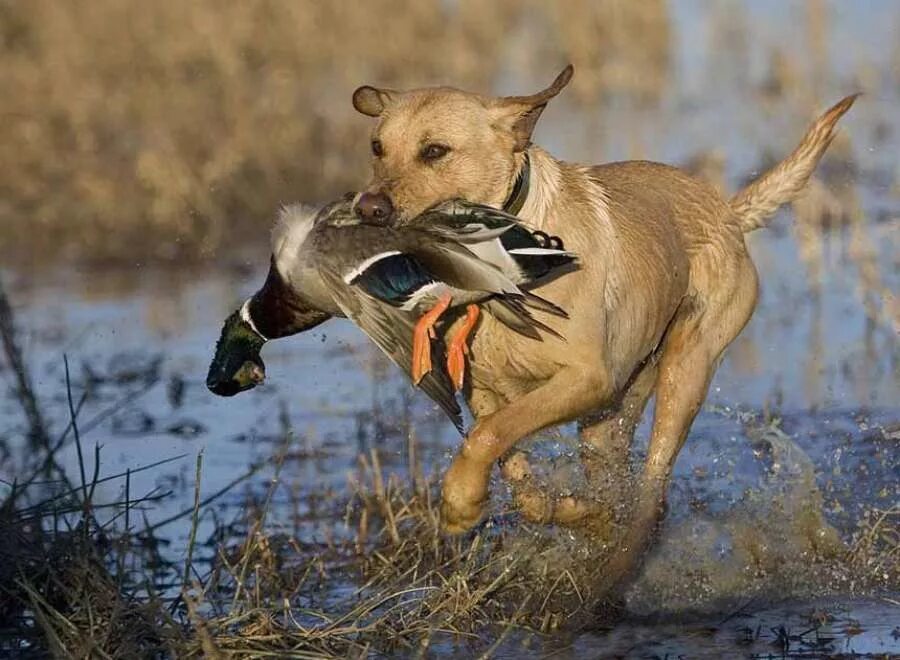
(572, 392)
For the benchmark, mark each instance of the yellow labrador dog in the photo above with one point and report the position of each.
(665, 285)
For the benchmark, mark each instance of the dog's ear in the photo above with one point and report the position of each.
(520, 113)
(371, 100)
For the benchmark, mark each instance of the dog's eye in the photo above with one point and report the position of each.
(377, 148)
(432, 152)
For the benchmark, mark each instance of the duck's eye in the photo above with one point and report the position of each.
(433, 152)
(377, 148)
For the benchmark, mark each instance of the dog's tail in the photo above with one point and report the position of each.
(757, 203)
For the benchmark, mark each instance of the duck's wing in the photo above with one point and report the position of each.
(514, 313)
(391, 328)
(464, 221)
(416, 259)
(458, 266)
(497, 237)
(392, 276)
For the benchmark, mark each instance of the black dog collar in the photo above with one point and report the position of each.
(519, 193)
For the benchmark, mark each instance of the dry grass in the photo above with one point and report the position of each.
(165, 129)
(413, 586)
(95, 588)
(409, 588)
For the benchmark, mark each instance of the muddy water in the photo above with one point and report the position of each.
(821, 355)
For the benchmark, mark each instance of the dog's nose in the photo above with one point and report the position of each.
(373, 206)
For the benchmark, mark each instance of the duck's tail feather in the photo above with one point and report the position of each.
(534, 301)
(508, 315)
(512, 312)
(536, 263)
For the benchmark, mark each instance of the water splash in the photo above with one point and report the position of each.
(774, 543)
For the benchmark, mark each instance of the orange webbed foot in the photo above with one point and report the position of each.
(423, 333)
(459, 348)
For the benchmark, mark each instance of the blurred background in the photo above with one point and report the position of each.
(168, 130)
(146, 146)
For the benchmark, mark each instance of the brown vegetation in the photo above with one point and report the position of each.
(165, 129)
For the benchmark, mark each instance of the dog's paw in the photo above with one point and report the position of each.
(463, 496)
(516, 467)
(456, 519)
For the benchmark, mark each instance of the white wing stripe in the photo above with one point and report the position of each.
(420, 293)
(359, 270)
(537, 251)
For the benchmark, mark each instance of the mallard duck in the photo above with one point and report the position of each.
(396, 281)
(455, 254)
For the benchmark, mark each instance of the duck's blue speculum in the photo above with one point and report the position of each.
(394, 278)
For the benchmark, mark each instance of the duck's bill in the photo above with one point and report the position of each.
(237, 365)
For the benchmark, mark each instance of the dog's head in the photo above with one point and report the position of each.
(440, 143)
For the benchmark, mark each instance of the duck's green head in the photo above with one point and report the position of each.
(236, 366)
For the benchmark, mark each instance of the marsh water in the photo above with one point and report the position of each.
(803, 414)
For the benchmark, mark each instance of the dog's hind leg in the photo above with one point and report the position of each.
(704, 327)
(606, 436)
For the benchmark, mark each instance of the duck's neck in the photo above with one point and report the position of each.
(277, 311)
